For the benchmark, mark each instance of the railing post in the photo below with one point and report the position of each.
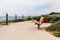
(29, 17)
(22, 17)
(6, 19)
(15, 17)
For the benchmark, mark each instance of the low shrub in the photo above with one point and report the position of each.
(55, 27)
(57, 34)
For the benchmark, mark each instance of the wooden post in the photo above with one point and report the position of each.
(29, 17)
(6, 19)
(15, 17)
(22, 17)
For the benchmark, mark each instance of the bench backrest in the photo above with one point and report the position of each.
(42, 20)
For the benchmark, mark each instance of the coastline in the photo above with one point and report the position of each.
(3, 23)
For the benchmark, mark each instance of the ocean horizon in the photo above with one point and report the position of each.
(3, 18)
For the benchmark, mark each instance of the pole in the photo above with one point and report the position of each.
(22, 17)
(15, 17)
(6, 18)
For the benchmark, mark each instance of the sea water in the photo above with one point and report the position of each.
(3, 18)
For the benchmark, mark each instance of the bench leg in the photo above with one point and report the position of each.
(38, 26)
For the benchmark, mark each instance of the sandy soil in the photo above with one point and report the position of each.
(25, 31)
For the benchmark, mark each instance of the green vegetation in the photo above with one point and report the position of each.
(53, 17)
(50, 18)
(29, 18)
(57, 34)
(54, 27)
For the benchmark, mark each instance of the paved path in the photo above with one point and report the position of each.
(25, 31)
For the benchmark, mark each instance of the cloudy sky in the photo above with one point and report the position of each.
(28, 7)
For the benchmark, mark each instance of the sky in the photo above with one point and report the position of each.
(28, 7)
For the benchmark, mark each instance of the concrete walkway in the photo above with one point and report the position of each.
(25, 31)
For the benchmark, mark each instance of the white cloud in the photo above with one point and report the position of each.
(23, 3)
(55, 5)
(28, 7)
(20, 6)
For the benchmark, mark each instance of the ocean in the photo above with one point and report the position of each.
(3, 18)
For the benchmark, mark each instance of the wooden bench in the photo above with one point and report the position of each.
(38, 23)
